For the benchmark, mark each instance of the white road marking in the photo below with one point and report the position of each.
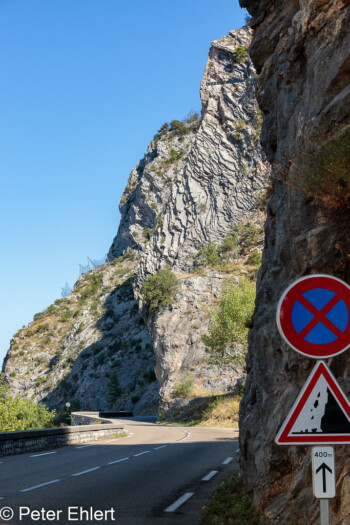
(43, 454)
(84, 446)
(174, 506)
(182, 439)
(162, 446)
(117, 461)
(140, 453)
(41, 485)
(85, 471)
(210, 475)
(227, 461)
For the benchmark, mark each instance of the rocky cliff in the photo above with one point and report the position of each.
(197, 187)
(301, 52)
(214, 184)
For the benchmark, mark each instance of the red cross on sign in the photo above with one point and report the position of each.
(313, 316)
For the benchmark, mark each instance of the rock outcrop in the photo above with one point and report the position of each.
(212, 187)
(91, 348)
(301, 52)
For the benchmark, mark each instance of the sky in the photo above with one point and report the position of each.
(84, 87)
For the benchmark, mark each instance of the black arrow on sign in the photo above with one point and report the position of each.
(323, 467)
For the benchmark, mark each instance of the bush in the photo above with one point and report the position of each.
(62, 419)
(229, 324)
(240, 54)
(210, 254)
(160, 289)
(17, 413)
(185, 387)
(254, 258)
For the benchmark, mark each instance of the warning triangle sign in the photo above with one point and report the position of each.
(321, 413)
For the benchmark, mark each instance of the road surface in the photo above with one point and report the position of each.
(155, 475)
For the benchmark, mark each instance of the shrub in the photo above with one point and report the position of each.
(135, 399)
(13, 374)
(210, 254)
(229, 323)
(240, 54)
(185, 387)
(18, 413)
(38, 316)
(62, 419)
(230, 242)
(160, 289)
(254, 258)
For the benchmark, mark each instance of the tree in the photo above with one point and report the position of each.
(114, 389)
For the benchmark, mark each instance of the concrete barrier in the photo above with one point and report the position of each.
(19, 442)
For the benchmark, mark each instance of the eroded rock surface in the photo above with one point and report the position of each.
(212, 187)
(301, 52)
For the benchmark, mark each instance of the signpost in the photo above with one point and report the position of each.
(323, 472)
(313, 318)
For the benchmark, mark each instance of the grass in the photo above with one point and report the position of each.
(230, 506)
(212, 411)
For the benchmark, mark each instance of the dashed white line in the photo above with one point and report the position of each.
(85, 471)
(174, 506)
(84, 446)
(41, 485)
(227, 461)
(210, 475)
(162, 446)
(117, 461)
(43, 454)
(141, 453)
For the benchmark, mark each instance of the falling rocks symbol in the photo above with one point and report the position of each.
(320, 414)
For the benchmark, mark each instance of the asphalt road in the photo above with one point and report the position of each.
(155, 475)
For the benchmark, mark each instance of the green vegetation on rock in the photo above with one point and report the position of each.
(240, 54)
(229, 324)
(185, 387)
(160, 289)
(19, 413)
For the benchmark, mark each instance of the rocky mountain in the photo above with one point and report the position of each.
(213, 187)
(301, 52)
(191, 208)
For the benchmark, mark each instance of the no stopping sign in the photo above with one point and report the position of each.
(313, 316)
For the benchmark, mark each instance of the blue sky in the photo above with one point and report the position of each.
(85, 85)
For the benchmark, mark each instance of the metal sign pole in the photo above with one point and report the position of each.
(324, 511)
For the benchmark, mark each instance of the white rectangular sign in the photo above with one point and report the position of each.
(323, 475)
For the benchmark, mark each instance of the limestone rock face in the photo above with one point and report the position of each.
(301, 52)
(213, 186)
